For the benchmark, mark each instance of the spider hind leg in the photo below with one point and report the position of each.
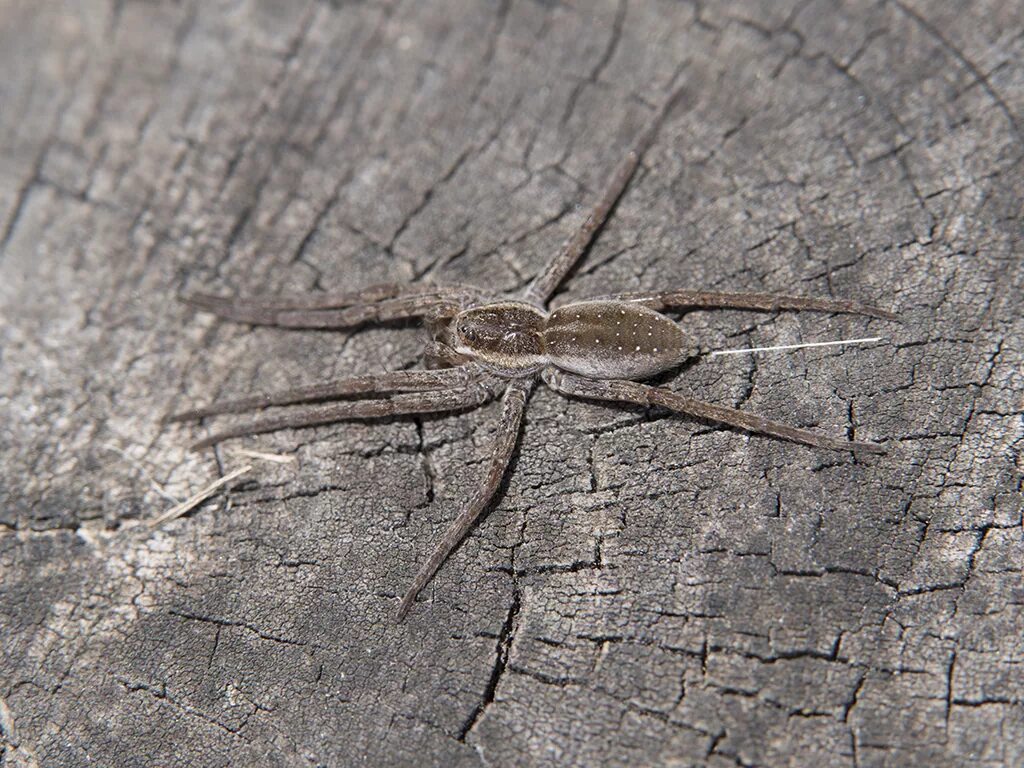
(618, 390)
(760, 302)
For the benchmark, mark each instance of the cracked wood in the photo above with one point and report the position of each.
(654, 591)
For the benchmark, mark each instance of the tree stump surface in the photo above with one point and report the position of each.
(648, 590)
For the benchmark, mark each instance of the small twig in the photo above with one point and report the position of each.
(796, 346)
(198, 498)
(277, 458)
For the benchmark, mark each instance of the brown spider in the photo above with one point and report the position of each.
(596, 349)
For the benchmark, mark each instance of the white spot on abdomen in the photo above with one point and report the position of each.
(592, 345)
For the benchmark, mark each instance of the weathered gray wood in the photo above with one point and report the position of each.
(649, 591)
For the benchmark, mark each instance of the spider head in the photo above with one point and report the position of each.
(505, 336)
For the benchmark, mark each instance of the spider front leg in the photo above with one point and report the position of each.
(545, 284)
(618, 390)
(396, 381)
(476, 392)
(513, 405)
(325, 311)
(762, 302)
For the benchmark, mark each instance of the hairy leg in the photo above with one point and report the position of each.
(434, 401)
(309, 301)
(513, 405)
(546, 282)
(328, 300)
(397, 381)
(325, 312)
(643, 394)
(765, 302)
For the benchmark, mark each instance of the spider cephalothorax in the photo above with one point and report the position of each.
(596, 349)
(505, 336)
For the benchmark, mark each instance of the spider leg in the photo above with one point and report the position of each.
(397, 381)
(546, 282)
(432, 401)
(766, 302)
(337, 311)
(327, 300)
(642, 394)
(513, 405)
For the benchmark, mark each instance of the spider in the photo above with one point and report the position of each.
(483, 347)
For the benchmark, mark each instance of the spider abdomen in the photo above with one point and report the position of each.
(613, 340)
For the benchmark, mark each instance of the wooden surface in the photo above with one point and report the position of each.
(649, 590)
